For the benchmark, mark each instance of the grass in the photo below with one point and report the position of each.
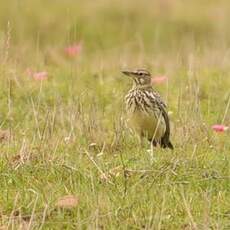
(68, 134)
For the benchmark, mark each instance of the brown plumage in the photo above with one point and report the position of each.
(147, 111)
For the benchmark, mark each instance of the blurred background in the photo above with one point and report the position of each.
(124, 32)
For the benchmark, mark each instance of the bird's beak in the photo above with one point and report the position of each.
(128, 73)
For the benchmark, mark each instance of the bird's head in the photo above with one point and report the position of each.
(141, 77)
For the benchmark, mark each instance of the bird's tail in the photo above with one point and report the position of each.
(166, 144)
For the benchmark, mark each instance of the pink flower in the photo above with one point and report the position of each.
(220, 128)
(40, 76)
(159, 79)
(73, 50)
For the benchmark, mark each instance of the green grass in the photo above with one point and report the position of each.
(68, 134)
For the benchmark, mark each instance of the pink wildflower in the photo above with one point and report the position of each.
(159, 79)
(40, 76)
(73, 50)
(220, 128)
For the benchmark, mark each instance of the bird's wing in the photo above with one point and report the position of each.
(159, 100)
(163, 108)
(156, 101)
(166, 118)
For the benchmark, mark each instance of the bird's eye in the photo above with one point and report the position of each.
(141, 73)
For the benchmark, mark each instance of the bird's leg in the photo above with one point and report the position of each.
(141, 139)
(154, 143)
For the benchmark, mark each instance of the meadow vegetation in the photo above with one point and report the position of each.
(64, 132)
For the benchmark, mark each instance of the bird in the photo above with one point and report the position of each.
(146, 110)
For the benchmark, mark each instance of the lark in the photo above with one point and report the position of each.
(147, 112)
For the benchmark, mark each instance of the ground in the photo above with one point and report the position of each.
(63, 128)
